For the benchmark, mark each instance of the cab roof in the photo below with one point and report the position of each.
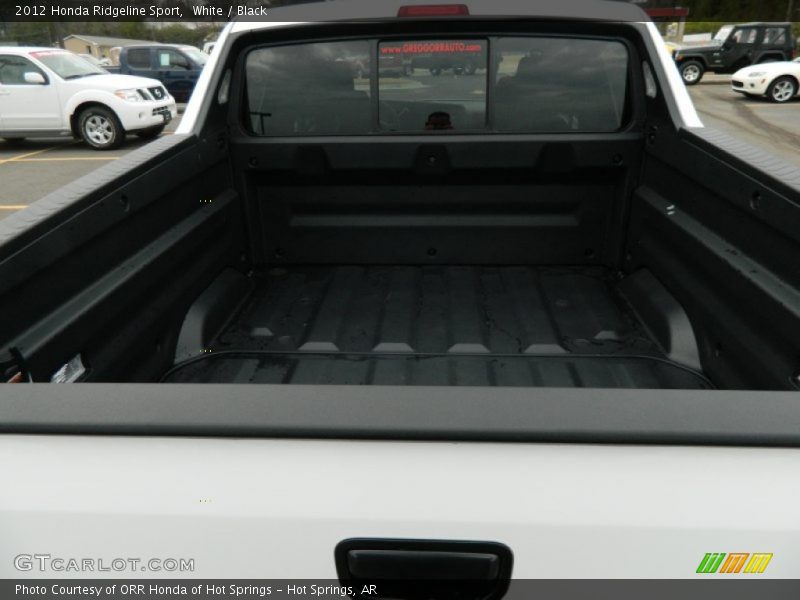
(369, 10)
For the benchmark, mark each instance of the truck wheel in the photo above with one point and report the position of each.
(150, 133)
(436, 71)
(692, 72)
(100, 128)
(782, 89)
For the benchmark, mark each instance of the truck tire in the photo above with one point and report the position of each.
(150, 133)
(100, 128)
(435, 71)
(782, 89)
(692, 72)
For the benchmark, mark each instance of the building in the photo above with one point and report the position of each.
(97, 45)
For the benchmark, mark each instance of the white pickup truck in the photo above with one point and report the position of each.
(46, 92)
(526, 320)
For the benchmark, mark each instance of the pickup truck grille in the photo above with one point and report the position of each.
(163, 110)
(158, 92)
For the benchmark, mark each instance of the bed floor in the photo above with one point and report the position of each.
(437, 325)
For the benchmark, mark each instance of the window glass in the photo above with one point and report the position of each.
(723, 33)
(13, 69)
(745, 36)
(309, 89)
(533, 85)
(198, 56)
(432, 85)
(139, 58)
(67, 65)
(775, 35)
(173, 60)
(559, 84)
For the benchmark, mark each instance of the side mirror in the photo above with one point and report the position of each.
(34, 78)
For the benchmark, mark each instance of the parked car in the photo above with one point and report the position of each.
(541, 326)
(97, 62)
(459, 61)
(735, 47)
(778, 81)
(46, 92)
(176, 66)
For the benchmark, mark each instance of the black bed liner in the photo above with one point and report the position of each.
(437, 325)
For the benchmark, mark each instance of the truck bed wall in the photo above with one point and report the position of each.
(499, 202)
(109, 267)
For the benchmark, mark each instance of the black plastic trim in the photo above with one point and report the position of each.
(705, 417)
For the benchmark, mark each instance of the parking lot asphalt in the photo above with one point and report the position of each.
(32, 169)
(774, 128)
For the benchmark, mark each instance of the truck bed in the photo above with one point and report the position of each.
(437, 325)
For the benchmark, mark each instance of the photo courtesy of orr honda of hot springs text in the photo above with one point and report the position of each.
(415, 288)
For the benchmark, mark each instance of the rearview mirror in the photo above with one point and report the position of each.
(34, 78)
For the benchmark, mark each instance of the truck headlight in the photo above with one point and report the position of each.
(132, 95)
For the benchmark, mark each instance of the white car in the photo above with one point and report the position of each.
(46, 92)
(778, 81)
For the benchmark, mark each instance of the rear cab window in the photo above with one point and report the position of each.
(496, 84)
(139, 58)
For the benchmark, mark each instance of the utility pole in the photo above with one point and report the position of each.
(790, 11)
(59, 33)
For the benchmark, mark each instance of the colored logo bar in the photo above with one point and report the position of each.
(735, 562)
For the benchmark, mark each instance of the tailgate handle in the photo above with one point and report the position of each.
(435, 569)
(394, 564)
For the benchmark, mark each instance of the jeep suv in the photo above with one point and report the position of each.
(735, 47)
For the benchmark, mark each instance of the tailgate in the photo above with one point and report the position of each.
(259, 508)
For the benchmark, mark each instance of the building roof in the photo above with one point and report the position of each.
(102, 40)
